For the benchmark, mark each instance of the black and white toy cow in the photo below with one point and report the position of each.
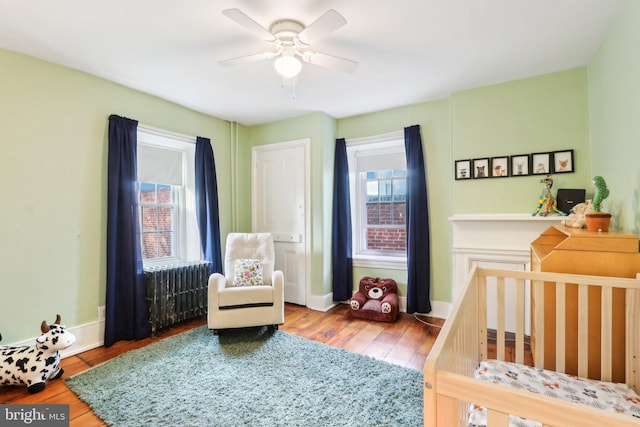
(33, 365)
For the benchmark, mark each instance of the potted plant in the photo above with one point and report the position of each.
(598, 220)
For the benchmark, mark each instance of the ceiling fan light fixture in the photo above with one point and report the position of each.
(288, 66)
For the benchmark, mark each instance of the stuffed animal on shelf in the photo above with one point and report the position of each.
(34, 365)
(576, 218)
(376, 299)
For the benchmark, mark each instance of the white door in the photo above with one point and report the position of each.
(280, 207)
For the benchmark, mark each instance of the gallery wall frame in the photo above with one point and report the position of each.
(500, 167)
(463, 169)
(480, 168)
(563, 161)
(541, 163)
(520, 165)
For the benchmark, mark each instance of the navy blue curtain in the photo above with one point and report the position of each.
(418, 260)
(126, 310)
(341, 255)
(207, 204)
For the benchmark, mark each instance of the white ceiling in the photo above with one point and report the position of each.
(409, 51)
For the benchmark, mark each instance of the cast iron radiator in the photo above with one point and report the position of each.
(176, 293)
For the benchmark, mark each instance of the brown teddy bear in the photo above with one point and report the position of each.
(376, 299)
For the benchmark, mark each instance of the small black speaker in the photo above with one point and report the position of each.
(568, 198)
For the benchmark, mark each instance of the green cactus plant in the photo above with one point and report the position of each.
(602, 192)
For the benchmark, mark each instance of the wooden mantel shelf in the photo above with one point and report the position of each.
(504, 217)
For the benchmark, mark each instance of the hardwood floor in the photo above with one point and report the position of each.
(406, 342)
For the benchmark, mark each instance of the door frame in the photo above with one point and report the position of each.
(305, 143)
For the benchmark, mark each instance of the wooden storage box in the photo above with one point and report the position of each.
(578, 251)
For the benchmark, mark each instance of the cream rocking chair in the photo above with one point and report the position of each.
(241, 298)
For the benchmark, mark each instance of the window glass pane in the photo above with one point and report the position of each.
(149, 218)
(400, 173)
(149, 245)
(398, 214)
(165, 244)
(164, 193)
(387, 239)
(165, 218)
(373, 214)
(372, 191)
(147, 192)
(385, 190)
(371, 174)
(399, 189)
(385, 174)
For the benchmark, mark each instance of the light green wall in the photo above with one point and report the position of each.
(53, 186)
(540, 114)
(614, 106)
(321, 130)
(433, 118)
(53, 128)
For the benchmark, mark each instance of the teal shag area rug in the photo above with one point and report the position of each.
(249, 377)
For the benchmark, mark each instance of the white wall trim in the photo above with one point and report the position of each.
(88, 336)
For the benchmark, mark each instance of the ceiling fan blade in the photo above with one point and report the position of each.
(246, 59)
(325, 24)
(240, 18)
(330, 61)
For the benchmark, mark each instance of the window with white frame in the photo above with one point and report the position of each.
(165, 190)
(377, 177)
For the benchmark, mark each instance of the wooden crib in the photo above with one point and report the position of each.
(449, 384)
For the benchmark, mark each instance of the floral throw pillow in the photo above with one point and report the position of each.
(247, 272)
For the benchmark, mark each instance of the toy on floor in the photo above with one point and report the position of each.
(376, 299)
(34, 365)
(547, 203)
(576, 218)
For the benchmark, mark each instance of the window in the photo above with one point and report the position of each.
(377, 169)
(158, 207)
(166, 201)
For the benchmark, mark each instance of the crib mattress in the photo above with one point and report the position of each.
(609, 396)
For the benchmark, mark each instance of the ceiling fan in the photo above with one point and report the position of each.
(290, 41)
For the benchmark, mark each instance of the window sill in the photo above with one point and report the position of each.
(384, 262)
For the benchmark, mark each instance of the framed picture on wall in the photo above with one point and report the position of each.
(563, 161)
(541, 163)
(463, 169)
(481, 168)
(499, 167)
(520, 165)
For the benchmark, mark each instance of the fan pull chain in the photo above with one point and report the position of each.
(294, 81)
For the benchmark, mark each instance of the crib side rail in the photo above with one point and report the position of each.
(501, 401)
(462, 343)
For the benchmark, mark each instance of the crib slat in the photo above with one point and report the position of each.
(561, 291)
(632, 368)
(447, 414)
(583, 330)
(500, 333)
(520, 321)
(606, 333)
(482, 316)
(495, 418)
(538, 289)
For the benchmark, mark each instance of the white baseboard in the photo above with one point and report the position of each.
(88, 337)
